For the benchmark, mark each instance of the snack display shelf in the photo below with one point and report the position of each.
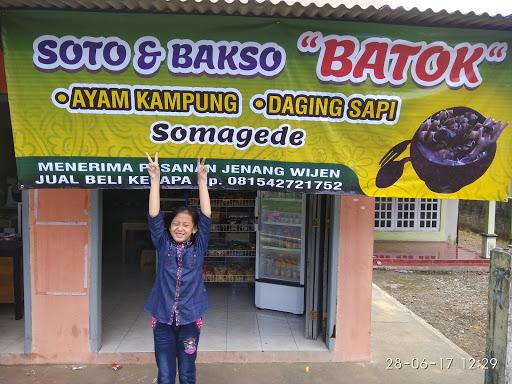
(231, 255)
(246, 253)
(228, 203)
(228, 278)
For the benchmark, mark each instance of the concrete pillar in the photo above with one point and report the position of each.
(489, 238)
(353, 312)
(59, 223)
(450, 221)
(499, 334)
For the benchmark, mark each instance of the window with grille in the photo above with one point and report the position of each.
(383, 212)
(403, 214)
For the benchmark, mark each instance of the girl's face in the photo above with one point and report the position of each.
(182, 227)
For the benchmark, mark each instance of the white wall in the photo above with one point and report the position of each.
(447, 230)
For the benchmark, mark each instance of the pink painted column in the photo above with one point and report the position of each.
(353, 317)
(59, 256)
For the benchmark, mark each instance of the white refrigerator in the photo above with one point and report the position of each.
(280, 253)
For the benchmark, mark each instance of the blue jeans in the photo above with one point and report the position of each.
(176, 342)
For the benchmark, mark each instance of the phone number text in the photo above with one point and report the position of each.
(324, 185)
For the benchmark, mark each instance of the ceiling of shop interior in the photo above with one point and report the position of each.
(323, 9)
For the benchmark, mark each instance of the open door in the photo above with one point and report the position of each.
(318, 248)
(95, 297)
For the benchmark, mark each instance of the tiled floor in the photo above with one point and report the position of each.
(232, 324)
(11, 331)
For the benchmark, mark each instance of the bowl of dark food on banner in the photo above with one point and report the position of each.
(451, 149)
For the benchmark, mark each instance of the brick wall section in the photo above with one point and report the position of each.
(472, 214)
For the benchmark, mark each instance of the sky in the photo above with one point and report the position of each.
(492, 7)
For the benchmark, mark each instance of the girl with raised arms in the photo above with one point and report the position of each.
(178, 300)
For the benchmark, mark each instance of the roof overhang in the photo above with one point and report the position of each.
(319, 9)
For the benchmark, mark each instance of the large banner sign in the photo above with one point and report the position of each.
(276, 104)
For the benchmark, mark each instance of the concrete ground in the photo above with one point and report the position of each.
(405, 349)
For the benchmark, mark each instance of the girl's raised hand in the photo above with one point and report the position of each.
(153, 167)
(202, 170)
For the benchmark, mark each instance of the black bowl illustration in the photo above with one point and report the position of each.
(451, 149)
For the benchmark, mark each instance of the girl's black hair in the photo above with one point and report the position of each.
(184, 209)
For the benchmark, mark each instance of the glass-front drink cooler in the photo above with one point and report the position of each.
(280, 252)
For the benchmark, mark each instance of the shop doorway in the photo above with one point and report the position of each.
(12, 324)
(127, 268)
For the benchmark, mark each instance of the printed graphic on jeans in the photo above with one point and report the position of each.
(189, 345)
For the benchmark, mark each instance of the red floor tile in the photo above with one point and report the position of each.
(424, 253)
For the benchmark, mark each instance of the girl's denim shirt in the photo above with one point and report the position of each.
(178, 295)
